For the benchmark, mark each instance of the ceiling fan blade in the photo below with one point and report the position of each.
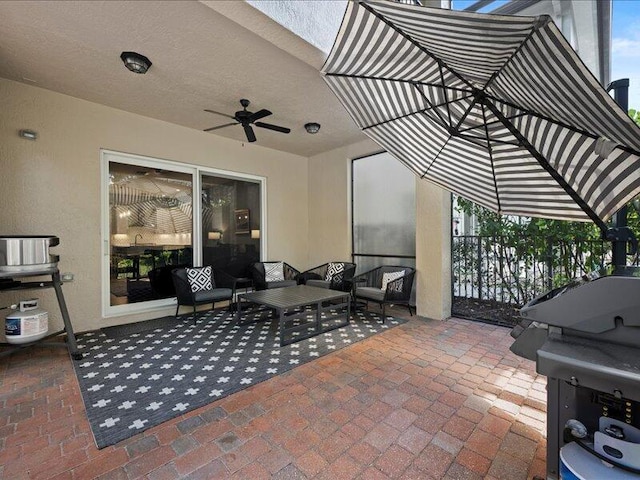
(273, 127)
(219, 126)
(249, 132)
(218, 113)
(258, 115)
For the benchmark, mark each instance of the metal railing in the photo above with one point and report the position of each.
(490, 268)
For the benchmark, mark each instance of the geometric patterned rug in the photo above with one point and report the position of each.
(138, 381)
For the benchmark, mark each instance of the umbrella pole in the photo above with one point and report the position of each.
(619, 242)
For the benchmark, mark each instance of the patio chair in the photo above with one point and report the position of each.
(386, 285)
(333, 275)
(161, 281)
(267, 275)
(199, 286)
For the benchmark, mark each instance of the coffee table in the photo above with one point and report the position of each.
(291, 307)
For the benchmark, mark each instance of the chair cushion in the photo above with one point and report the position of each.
(335, 272)
(319, 283)
(391, 276)
(304, 277)
(273, 271)
(283, 283)
(371, 293)
(200, 279)
(214, 295)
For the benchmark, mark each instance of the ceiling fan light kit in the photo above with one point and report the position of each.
(247, 119)
(135, 62)
(312, 127)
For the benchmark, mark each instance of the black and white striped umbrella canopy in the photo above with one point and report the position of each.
(498, 109)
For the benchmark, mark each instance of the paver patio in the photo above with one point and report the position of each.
(427, 399)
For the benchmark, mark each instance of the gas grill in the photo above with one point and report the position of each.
(585, 338)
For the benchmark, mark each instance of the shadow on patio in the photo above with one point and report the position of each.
(427, 399)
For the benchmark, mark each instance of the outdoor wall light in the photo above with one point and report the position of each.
(255, 234)
(28, 134)
(214, 235)
(312, 127)
(135, 62)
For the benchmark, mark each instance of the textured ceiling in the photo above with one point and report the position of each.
(205, 55)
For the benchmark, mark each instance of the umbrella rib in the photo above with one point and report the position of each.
(424, 110)
(464, 115)
(397, 80)
(433, 107)
(491, 123)
(545, 164)
(413, 42)
(446, 97)
(543, 20)
(490, 150)
(436, 157)
(559, 123)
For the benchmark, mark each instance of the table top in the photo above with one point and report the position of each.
(290, 297)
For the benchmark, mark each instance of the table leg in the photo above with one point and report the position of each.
(318, 318)
(281, 323)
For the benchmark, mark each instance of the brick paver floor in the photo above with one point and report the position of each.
(425, 400)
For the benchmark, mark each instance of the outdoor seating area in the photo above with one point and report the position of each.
(283, 230)
(425, 399)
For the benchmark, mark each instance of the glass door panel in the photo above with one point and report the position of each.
(231, 223)
(150, 231)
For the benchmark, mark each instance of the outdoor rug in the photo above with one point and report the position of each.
(134, 382)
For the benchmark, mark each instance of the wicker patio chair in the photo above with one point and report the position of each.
(333, 275)
(268, 275)
(386, 285)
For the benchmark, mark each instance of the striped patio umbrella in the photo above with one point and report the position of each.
(498, 109)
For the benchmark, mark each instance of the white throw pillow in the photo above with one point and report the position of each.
(389, 277)
(200, 278)
(274, 271)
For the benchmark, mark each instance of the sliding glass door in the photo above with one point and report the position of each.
(231, 223)
(149, 228)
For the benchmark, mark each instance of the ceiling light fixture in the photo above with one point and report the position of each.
(312, 127)
(135, 62)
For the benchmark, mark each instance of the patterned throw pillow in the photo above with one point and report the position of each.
(274, 271)
(335, 272)
(389, 277)
(200, 279)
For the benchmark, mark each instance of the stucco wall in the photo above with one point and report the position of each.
(52, 186)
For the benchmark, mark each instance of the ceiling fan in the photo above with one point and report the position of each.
(246, 119)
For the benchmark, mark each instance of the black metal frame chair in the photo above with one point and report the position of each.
(260, 282)
(368, 287)
(316, 277)
(185, 296)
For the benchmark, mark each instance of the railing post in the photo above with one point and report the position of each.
(479, 251)
(549, 263)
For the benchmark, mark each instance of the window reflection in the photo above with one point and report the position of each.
(150, 213)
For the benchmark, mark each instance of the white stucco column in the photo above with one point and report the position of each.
(433, 251)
